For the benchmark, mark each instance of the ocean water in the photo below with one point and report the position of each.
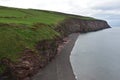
(96, 55)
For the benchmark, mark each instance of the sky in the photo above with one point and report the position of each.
(108, 10)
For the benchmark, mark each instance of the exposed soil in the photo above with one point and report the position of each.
(46, 50)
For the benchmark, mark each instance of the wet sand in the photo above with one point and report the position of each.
(60, 68)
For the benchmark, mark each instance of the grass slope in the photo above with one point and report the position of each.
(23, 28)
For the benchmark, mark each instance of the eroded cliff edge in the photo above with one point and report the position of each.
(30, 63)
(73, 25)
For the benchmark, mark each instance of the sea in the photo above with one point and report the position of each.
(96, 55)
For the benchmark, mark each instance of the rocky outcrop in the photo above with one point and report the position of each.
(46, 50)
(31, 61)
(25, 67)
(72, 25)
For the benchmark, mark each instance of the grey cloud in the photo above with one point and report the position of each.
(114, 5)
(113, 20)
(108, 16)
(114, 23)
(108, 7)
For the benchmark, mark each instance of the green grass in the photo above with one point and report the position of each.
(23, 28)
(14, 39)
(28, 16)
(11, 13)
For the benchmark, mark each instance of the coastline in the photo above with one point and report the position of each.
(59, 68)
(32, 46)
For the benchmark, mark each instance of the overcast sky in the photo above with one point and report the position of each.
(103, 9)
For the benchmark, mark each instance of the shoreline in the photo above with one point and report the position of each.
(60, 68)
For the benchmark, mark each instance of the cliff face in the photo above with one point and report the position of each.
(73, 25)
(31, 61)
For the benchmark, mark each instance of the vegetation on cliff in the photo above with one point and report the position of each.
(24, 28)
(21, 28)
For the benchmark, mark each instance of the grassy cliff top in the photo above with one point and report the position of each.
(31, 16)
(23, 28)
